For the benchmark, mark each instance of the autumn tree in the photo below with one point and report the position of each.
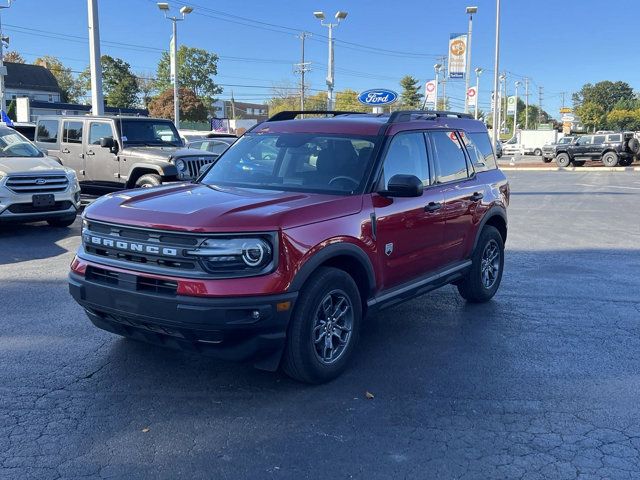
(71, 90)
(191, 107)
(13, 57)
(347, 100)
(119, 84)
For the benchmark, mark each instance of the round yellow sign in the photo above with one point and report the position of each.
(457, 47)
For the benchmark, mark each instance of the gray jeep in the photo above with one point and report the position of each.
(120, 152)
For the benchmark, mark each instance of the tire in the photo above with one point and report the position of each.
(62, 222)
(479, 285)
(546, 159)
(149, 180)
(537, 152)
(625, 162)
(633, 145)
(563, 160)
(579, 163)
(610, 159)
(307, 360)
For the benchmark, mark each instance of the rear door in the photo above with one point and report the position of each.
(596, 148)
(409, 230)
(103, 167)
(71, 150)
(48, 136)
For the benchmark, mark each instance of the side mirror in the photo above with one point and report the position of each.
(404, 186)
(107, 142)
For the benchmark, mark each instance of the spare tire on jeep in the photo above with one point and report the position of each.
(633, 144)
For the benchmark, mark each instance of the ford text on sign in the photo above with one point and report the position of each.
(377, 97)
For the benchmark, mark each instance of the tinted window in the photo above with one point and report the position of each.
(450, 158)
(407, 155)
(598, 139)
(47, 131)
(585, 141)
(72, 132)
(482, 143)
(614, 138)
(98, 130)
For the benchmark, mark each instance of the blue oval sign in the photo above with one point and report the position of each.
(377, 97)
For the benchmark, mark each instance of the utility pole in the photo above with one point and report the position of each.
(526, 103)
(97, 102)
(302, 68)
(445, 67)
(515, 113)
(563, 94)
(496, 68)
(540, 95)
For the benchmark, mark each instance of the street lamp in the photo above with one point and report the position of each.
(184, 11)
(478, 72)
(339, 16)
(496, 68)
(515, 112)
(436, 68)
(470, 12)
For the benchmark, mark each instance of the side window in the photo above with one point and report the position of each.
(614, 138)
(72, 132)
(98, 130)
(407, 155)
(47, 131)
(586, 140)
(598, 139)
(450, 159)
(484, 158)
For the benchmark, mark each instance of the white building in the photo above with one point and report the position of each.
(32, 81)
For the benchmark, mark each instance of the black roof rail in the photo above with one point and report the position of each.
(291, 114)
(406, 115)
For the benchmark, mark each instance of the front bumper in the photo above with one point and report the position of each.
(18, 207)
(227, 328)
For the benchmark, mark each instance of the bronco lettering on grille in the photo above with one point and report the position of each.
(131, 246)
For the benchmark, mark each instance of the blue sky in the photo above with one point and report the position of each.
(559, 45)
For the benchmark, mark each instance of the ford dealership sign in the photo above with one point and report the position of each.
(377, 97)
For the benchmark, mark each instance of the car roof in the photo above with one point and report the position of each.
(99, 117)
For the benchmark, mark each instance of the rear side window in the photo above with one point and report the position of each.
(614, 138)
(407, 155)
(450, 159)
(72, 132)
(47, 131)
(598, 139)
(484, 158)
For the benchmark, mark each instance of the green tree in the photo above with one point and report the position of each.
(191, 107)
(11, 110)
(593, 115)
(410, 97)
(119, 84)
(147, 88)
(621, 119)
(13, 57)
(71, 90)
(196, 69)
(604, 95)
(347, 100)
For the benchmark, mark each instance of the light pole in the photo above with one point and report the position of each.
(503, 96)
(436, 68)
(339, 16)
(3, 69)
(470, 12)
(478, 72)
(496, 69)
(184, 11)
(515, 111)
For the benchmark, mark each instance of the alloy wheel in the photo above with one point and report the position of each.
(490, 264)
(333, 322)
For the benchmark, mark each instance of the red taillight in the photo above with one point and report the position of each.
(78, 266)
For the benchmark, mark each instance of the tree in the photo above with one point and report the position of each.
(196, 69)
(11, 110)
(621, 119)
(147, 88)
(13, 57)
(119, 84)
(410, 98)
(347, 100)
(70, 89)
(604, 95)
(592, 114)
(191, 107)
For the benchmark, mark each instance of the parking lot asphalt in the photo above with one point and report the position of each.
(541, 382)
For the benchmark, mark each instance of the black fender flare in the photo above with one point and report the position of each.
(168, 170)
(327, 253)
(493, 212)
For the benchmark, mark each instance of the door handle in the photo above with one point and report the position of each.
(432, 206)
(90, 152)
(476, 196)
(65, 150)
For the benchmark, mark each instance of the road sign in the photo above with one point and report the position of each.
(511, 104)
(567, 117)
(472, 96)
(430, 92)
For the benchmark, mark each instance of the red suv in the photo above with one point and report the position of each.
(302, 227)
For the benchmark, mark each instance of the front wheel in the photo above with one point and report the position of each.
(149, 180)
(323, 329)
(537, 152)
(563, 160)
(482, 281)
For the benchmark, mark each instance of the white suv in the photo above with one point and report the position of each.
(34, 187)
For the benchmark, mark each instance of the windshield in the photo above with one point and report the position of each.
(565, 140)
(295, 161)
(13, 144)
(150, 133)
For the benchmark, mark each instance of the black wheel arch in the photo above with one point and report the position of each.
(496, 217)
(139, 169)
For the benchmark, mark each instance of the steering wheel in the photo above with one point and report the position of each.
(344, 177)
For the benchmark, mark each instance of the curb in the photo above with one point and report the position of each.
(569, 169)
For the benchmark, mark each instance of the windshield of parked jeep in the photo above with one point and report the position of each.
(295, 161)
(149, 133)
(13, 144)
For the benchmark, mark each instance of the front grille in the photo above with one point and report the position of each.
(29, 208)
(131, 282)
(194, 164)
(37, 183)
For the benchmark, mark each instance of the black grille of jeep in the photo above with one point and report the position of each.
(194, 164)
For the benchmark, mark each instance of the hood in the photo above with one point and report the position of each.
(205, 208)
(161, 153)
(12, 165)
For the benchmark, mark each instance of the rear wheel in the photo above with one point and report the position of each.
(323, 329)
(610, 159)
(482, 281)
(62, 222)
(149, 180)
(563, 160)
(537, 152)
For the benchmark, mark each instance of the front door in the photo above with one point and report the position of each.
(71, 152)
(582, 147)
(409, 231)
(103, 167)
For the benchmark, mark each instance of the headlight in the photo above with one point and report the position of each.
(72, 176)
(180, 165)
(249, 255)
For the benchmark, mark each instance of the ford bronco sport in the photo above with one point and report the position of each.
(120, 152)
(302, 227)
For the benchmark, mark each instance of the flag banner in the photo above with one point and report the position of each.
(220, 125)
(472, 96)
(457, 55)
(172, 59)
(430, 93)
(511, 104)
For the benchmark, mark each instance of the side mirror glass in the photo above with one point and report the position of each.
(404, 186)
(107, 142)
